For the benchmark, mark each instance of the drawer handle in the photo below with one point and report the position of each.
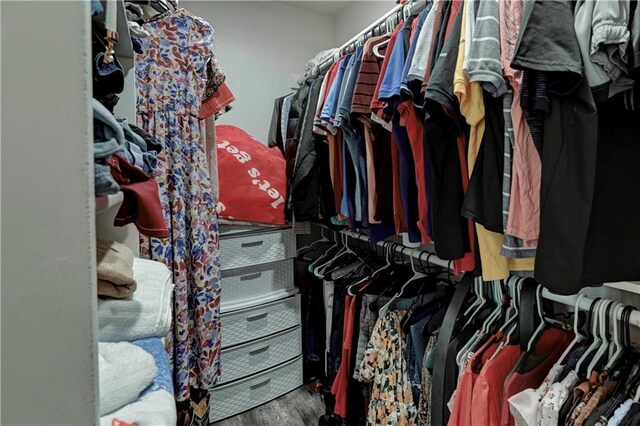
(252, 244)
(258, 317)
(259, 351)
(260, 385)
(251, 276)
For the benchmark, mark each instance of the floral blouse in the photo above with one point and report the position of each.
(384, 364)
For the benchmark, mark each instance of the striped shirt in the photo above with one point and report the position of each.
(368, 76)
(485, 59)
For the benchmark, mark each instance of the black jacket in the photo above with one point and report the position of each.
(300, 152)
(275, 138)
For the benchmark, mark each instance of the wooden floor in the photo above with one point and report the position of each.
(298, 408)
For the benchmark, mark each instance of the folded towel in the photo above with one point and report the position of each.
(163, 379)
(115, 272)
(125, 371)
(147, 314)
(153, 409)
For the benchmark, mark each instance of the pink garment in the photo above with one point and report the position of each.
(461, 411)
(510, 21)
(524, 204)
(486, 407)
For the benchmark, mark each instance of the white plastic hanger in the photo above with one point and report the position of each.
(496, 291)
(390, 248)
(479, 303)
(576, 331)
(377, 47)
(510, 324)
(345, 250)
(604, 344)
(315, 265)
(496, 296)
(479, 298)
(616, 348)
(385, 247)
(416, 276)
(406, 11)
(473, 310)
(595, 317)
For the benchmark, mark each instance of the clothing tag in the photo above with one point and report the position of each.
(116, 422)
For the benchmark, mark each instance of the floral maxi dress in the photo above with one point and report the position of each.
(170, 83)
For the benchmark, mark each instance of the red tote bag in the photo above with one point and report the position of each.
(251, 177)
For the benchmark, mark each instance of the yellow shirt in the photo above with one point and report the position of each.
(494, 265)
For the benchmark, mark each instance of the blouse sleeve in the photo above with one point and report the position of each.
(201, 47)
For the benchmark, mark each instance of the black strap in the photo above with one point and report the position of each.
(528, 321)
(440, 410)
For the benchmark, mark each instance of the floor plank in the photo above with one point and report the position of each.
(300, 407)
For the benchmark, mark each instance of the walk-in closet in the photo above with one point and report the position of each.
(320, 213)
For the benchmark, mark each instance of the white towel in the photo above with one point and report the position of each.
(147, 314)
(153, 409)
(125, 371)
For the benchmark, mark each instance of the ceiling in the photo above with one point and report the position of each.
(327, 7)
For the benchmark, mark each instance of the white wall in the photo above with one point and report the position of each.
(357, 16)
(49, 348)
(259, 45)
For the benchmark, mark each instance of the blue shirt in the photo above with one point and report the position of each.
(348, 86)
(330, 105)
(412, 48)
(392, 80)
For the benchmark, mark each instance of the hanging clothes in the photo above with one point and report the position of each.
(384, 364)
(171, 76)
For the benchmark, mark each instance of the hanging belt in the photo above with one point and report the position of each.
(438, 402)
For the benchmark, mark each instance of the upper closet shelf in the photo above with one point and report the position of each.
(124, 49)
(105, 202)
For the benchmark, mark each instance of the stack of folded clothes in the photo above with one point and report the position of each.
(115, 270)
(134, 317)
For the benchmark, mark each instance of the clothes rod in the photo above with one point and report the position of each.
(375, 23)
(570, 300)
(585, 304)
(412, 252)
